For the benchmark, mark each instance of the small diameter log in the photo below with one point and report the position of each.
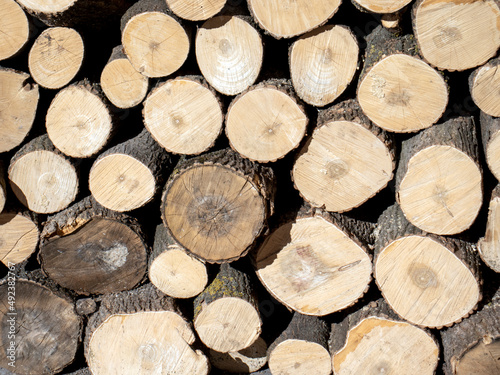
(14, 29)
(428, 280)
(56, 57)
(284, 19)
(484, 84)
(127, 176)
(18, 237)
(439, 179)
(79, 121)
(302, 348)
(19, 100)
(457, 35)
(155, 42)
(381, 6)
(266, 122)
(490, 136)
(217, 204)
(92, 250)
(398, 91)
(124, 86)
(346, 161)
(172, 270)
(42, 178)
(184, 115)
(245, 361)
(489, 245)
(139, 332)
(40, 330)
(229, 52)
(198, 10)
(226, 313)
(473, 346)
(373, 340)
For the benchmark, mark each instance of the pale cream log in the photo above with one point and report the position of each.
(245, 361)
(229, 52)
(490, 136)
(323, 63)
(484, 86)
(18, 104)
(196, 10)
(184, 115)
(3, 191)
(381, 6)
(18, 236)
(56, 57)
(489, 245)
(14, 29)
(457, 35)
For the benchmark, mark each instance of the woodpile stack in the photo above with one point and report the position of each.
(281, 187)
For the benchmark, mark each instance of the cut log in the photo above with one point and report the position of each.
(229, 52)
(18, 104)
(483, 85)
(490, 135)
(473, 346)
(457, 35)
(172, 270)
(373, 340)
(42, 178)
(381, 6)
(3, 191)
(489, 245)
(92, 250)
(245, 361)
(226, 314)
(266, 122)
(56, 57)
(18, 237)
(196, 10)
(127, 176)
(154, 41)
(323, 63)
(85, 306)
(184, 115)
(312, 265)
(285, 19)
(346, 161)
(217, 204)
(79, 121)
(14, 29)
(124, 86)
(139, 332)
(40, 330)
(429, 281)
(439, 181)
(398, 91)
(302, 348)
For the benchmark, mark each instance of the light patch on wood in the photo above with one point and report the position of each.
(489, 245)
(298, 357)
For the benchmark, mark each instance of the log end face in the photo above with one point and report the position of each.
(14, 29)
(18, 238)
(481, 359)
(295, 357)
(489, 245)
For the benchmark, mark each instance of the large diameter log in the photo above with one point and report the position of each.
(381, 6)
(40, 330)
(184, 115)
(483, 84)
(93, 250)
(490, 136)
(216, 205)
(14, 29)
(323, 63)
(429, 281)
(457, 35)
(245, 361)
(489, 245)
(283, 19)
(42, 178)
(439, 179)
(266, 122)
(229, 52)
(198, 10)
(19, 236)
(373, 340)
(19, 101)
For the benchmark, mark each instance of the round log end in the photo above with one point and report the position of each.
(18, 238)
(297, 357)
(14, 29)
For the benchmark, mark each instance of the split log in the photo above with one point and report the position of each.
(172, 270)
(373, 340)
(323, 63)
(127, 176)
(124, 86)
(428, 280)
(198, 10)
(217, 204)
(42, 178)
(92, 250)
(79, 121)
(14, 29)
(138, 332)
(184, 115)
(490, 131)
(226, 313)
(397, 90)
(266, 122)
(19, 101)
(284, 19)
(154, 41)
(302, 348)
(245, 361)
(41, 330)
(439, 179)
(483, 86)
(346, 161)
(457, 35)
(489, 245)
(229, 52)
(381, 6)
(56, 57)
(18, 236)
